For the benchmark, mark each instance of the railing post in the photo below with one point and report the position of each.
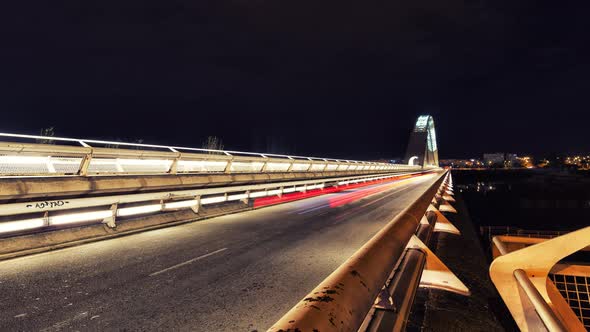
(84, 165)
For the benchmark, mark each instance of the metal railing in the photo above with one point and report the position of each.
(95, 157)
(521, 272)
(363, 283)
(34, 216)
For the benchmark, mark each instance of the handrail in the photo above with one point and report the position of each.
(342, 301)
(33, 159)
(547, 315)
(86, 141)
(526, 269)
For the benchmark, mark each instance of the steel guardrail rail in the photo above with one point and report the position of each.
(97, 157)
(31, 216)
(341, 302)
(547, 316)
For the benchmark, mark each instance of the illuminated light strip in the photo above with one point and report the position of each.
(258, 194)
(22, 207)
(79, 217)
(85, 142)
(21, 225)
(181, 204)
(126, 161)
(24, 159)
(237, 197)
(212, 200)
(130, 211)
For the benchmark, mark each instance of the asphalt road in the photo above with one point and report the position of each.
(238, 272)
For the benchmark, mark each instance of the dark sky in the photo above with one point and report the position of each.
(326, 78)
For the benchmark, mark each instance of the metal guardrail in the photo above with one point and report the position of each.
(549, 318)
(96, 157)
(32, 216)
(343, 300)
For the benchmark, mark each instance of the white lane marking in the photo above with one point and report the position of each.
(188, 262)
(313, 209)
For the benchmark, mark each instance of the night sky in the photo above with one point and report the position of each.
(311, 77)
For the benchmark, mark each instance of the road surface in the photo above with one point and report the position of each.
(238, 272)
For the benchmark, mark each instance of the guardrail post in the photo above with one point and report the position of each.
(245, 200)
(174, 166)
(46, 218)
(228, 167)
(197, 206)
(112, 220)
(83, 169)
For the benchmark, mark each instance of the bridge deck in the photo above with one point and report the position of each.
(234, 273)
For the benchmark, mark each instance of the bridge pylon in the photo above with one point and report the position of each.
(422, 147)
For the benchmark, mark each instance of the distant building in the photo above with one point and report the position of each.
(506, 160)
(511, 160)
(493, 159)
(461, 163)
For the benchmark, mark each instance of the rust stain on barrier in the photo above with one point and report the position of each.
(323, 298)
(356, 274)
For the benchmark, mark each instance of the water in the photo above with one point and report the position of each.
(528, 199)
(544, 203)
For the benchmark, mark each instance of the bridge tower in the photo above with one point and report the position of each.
(422, 148)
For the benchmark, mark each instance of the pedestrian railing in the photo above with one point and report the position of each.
(30, 155)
